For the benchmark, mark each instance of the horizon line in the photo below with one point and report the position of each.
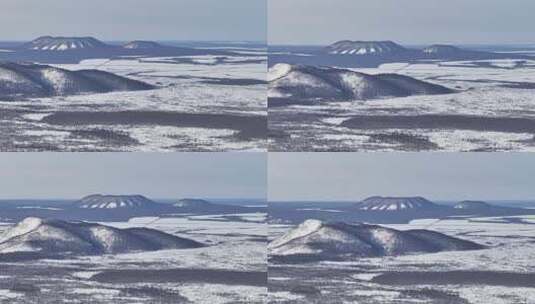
(410, 44)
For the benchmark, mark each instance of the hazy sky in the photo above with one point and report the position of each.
(157, 175)
(410, 22)
(135, 19)
(438, 176)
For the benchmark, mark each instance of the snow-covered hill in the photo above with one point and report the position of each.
(192, 203)
(61, 44)
(442, 49)
(141, 44)
(391, 204)
(323, 240)
(347, 47)
(34, 80)
(99, 201)
(310, 82)
(473, 205)
(61, 238)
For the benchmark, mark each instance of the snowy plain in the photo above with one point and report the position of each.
(501, 88)
(234, 246)
(511, 250)
(190, 84)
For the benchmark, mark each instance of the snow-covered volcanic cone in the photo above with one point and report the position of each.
(310, 82)
(34, 80)
(347, 47)
(141, 44)
(60, 44)
(99, 201)
(380, 203)
(61, 238)
(314, 239)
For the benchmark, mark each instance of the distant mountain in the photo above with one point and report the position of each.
(310, 82)
(319, 240)
(472, 205)
(72, 50)
(390, 204)
(372, 54)
(61, 44)
(389, 210)
(57, 238)
(141, 44)
(347, 47)
(28, 80)
(192, 203)
(441, 49)
(99, 201)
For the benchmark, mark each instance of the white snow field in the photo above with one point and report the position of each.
(187, 85)
(234, 246)
(511, 250)
(485, 88)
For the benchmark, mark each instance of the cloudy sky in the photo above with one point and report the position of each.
(410, 22)
(437, 176)
(135, 19)
(157, 175)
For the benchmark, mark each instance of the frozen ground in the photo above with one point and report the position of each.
(231, 270)
(504, 273)
(492, 111)
(229, 93)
